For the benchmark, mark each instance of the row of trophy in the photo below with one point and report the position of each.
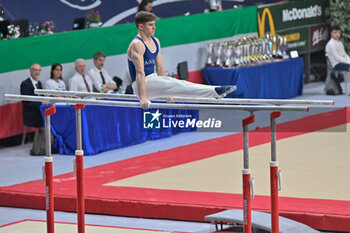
(246, 51)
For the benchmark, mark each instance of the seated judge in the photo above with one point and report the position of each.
(31, 110)
(80, 81)
(101, 80)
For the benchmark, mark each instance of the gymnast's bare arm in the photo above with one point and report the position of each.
(135, 53)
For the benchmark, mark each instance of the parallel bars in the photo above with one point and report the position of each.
(223, 104)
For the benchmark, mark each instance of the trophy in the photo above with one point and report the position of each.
(284, 48)
(209, 54)
(274, 45)
(228, 55)
(244, 54)
(252, 53)
(218, 54)
(234, 48)
(246, 51)
(265, 49)
(256, 49)
(261, 55)
(279, 46)
(245, 48)
(238, 54)
(269, 44)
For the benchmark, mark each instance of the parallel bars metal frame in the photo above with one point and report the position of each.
(209, 104)
(186, 99)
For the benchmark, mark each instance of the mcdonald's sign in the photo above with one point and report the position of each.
(292, 19)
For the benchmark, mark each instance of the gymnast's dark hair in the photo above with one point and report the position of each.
(143, 17)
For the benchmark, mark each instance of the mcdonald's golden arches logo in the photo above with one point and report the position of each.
(261, 22)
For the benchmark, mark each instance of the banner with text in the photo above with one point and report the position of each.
(294, 20)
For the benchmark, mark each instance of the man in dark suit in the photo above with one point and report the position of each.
(31, 110)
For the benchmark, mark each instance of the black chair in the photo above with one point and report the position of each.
(182, 70)
(79, 23)
(118, 81)
(129, 90)
(333, 80)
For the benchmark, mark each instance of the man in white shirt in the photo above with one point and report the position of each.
(335, 51)
(80, 81)
(101, 80)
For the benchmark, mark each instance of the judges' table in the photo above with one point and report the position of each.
(106, 128)
(276, 80)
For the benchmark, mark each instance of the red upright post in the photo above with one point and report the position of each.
(79, 168)
(247, 180)
(80, 190)
(50, 221)
(247, 210)
(274, 175)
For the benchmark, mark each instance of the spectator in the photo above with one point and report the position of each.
(80, 81)
(55, 82)
(145, 5)
(335, 51)
(101, 80)
(214, 5)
